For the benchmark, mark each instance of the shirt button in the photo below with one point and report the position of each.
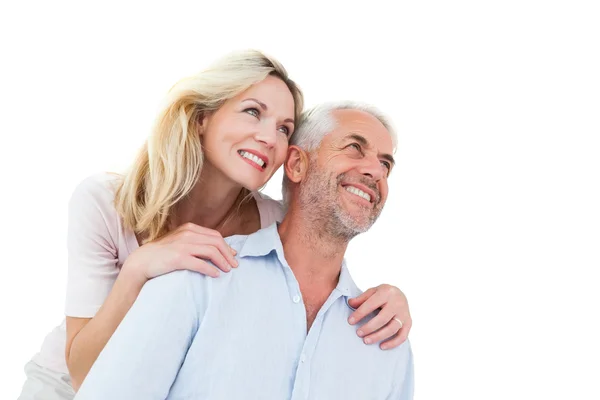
(296, 299)
(302, 358)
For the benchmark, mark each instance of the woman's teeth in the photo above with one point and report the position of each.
(358, 192)
(252, 157)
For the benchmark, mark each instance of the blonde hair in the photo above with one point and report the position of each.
(169, 164)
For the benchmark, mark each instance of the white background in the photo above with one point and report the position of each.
(492, 227)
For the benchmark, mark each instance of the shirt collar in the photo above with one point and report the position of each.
(262, 242)
(346, 285)
(266, 240)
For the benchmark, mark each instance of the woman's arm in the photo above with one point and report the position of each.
(185, 248)
(86, 337)
(99, 294)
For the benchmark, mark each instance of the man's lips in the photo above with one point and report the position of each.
(372, 193)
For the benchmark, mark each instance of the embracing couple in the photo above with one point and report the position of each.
(161, 306)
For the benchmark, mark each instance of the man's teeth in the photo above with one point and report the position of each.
(358, 192)
(252, 157)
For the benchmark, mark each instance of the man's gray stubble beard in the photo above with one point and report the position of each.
(320, 203)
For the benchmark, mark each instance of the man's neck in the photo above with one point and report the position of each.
(314, 255)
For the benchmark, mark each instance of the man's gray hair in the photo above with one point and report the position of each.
(318, 122)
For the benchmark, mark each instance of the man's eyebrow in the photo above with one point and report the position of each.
(265, 108)
(389, 158)
(360, 139)
(363, 141)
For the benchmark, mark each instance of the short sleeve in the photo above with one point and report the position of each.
(270, 210)
(92, 235)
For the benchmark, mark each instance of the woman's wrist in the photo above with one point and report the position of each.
(132, 277)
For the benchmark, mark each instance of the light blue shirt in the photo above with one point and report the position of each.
(244, 336)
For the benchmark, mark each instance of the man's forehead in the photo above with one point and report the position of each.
(356, 122)
(349, 116)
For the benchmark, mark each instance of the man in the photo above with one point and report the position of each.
(277, 326)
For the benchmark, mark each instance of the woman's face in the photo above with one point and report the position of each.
(247, 138)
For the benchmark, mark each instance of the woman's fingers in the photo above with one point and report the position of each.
(358, 301)
(195, 264)
(369, 305)
(189, 228)
(196, 239)
(381, 324)
(220, 244)
(396, 340)
(388, 332)
(211, 253)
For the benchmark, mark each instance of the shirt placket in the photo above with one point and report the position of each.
(302, 382)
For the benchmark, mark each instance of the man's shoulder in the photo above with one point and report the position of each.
(402, 352)
(184, 278)
(179, 280)
(259, 243)
(236, 241)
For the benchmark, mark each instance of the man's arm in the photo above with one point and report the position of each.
(144, 355)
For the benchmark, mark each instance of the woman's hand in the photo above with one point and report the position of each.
(187, 247)
(392, 323)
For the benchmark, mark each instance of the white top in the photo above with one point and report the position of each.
(98, 245)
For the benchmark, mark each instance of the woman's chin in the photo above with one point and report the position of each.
(250, 183)
(252, 188)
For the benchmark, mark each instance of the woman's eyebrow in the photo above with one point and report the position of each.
(260, 103)
(265, 108)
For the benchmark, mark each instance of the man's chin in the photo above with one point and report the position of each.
(356, 221)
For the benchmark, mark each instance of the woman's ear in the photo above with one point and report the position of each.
(203, 120)
(296, 164)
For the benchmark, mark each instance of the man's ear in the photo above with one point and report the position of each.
(296, 164)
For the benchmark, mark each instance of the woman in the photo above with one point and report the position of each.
(222, 135)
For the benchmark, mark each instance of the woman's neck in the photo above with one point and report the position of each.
(211, 201)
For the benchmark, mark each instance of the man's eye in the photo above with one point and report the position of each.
(355, 145)
(252, 111)
(387, 165)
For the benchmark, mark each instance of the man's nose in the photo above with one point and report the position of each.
(371, 167)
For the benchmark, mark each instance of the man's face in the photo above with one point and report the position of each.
(346, 183)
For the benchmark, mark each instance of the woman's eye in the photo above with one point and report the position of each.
(285, 130)
(252, 111)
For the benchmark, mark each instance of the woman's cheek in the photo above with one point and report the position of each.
(280, 155)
